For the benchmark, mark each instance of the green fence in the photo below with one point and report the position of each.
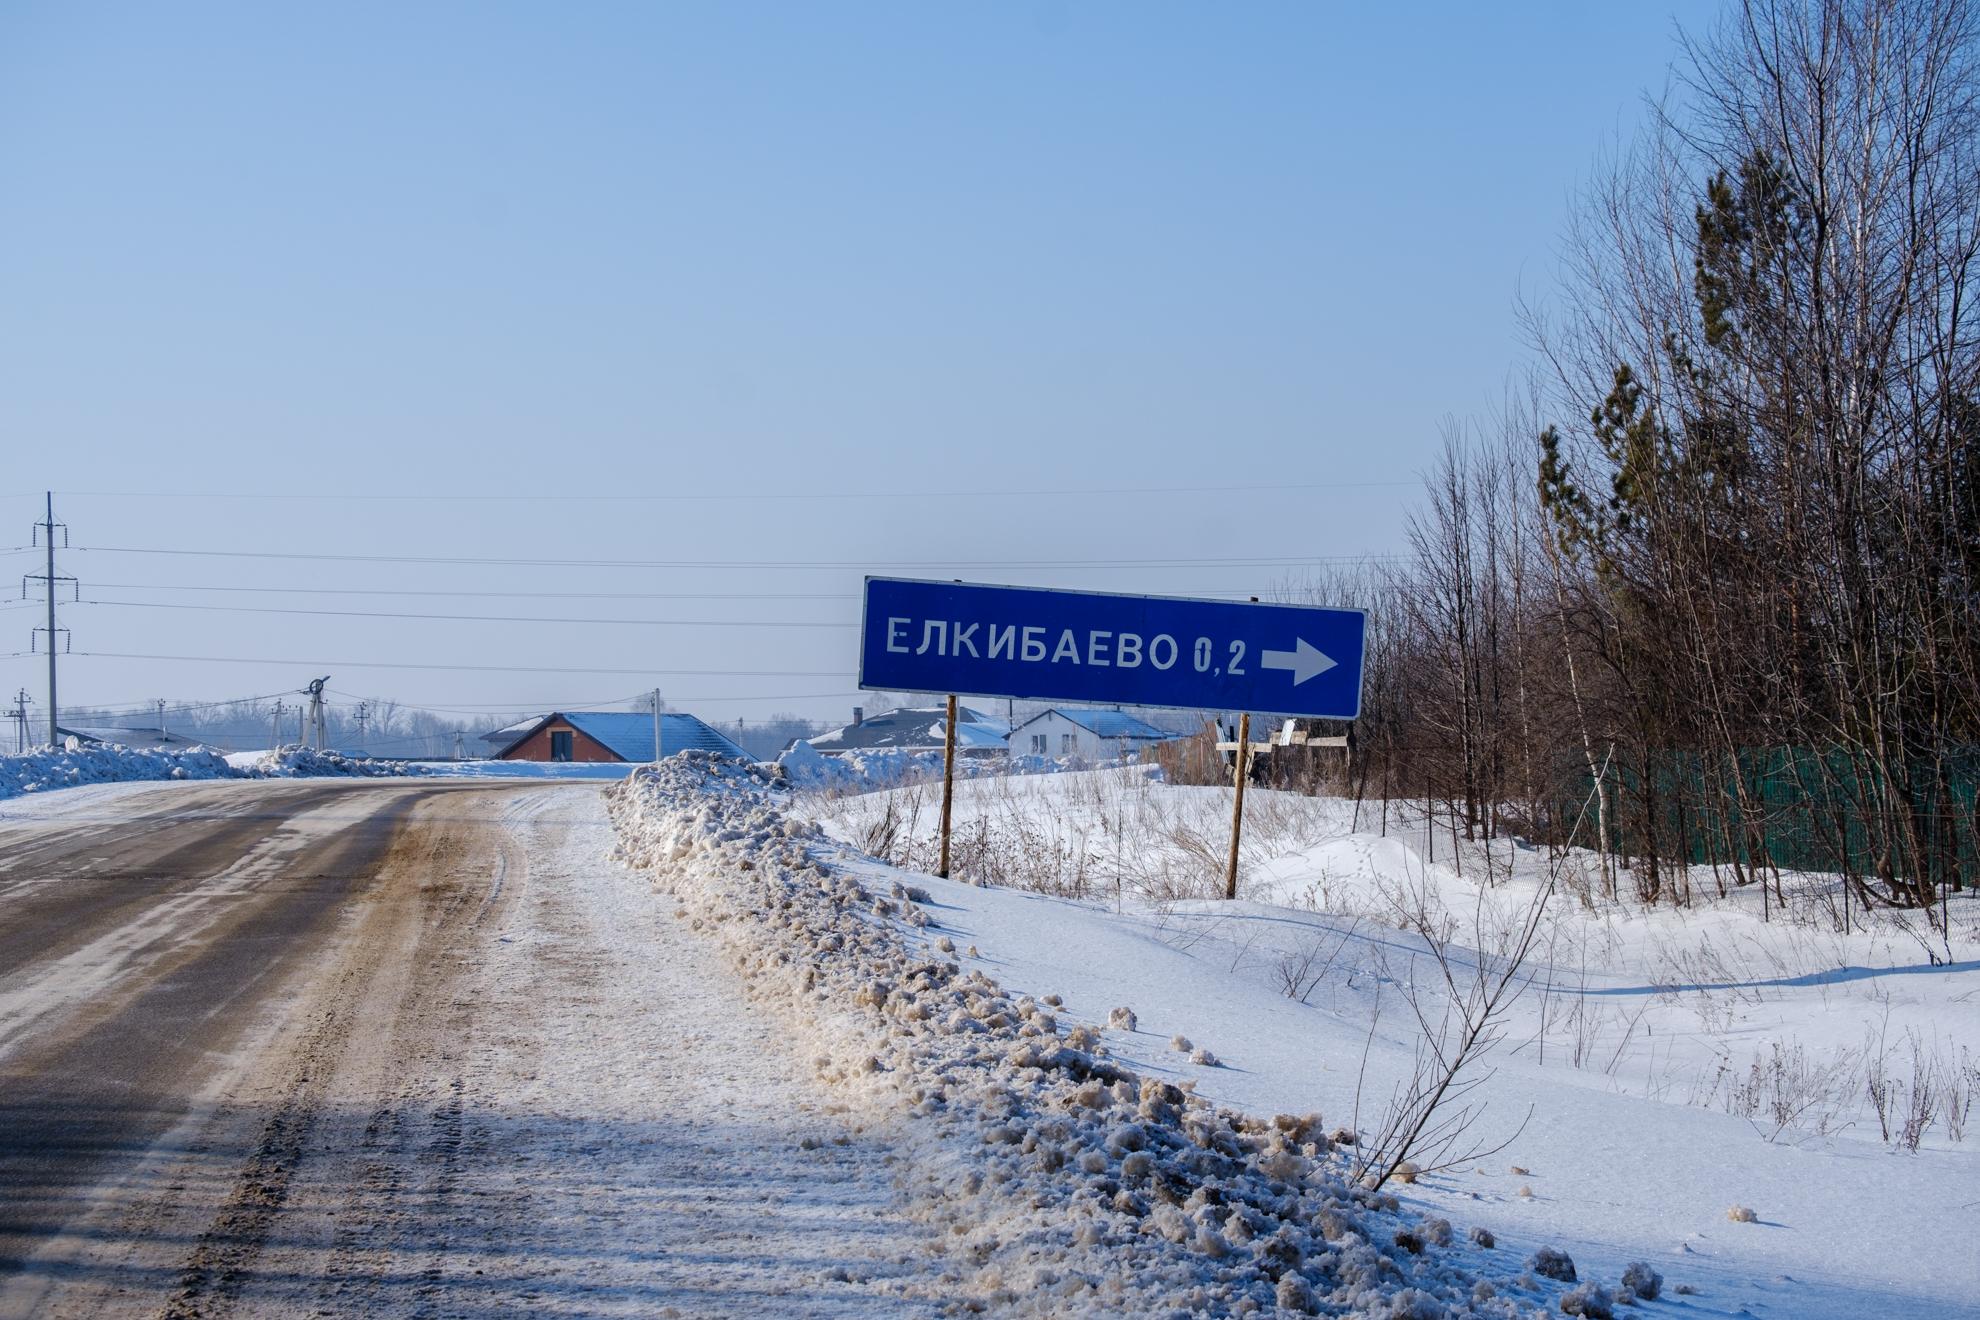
(1799, 808)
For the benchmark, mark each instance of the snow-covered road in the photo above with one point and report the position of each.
(490, 1072)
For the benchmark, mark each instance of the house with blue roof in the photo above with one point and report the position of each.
(917, 729)
(1089, 734)
(611, 735)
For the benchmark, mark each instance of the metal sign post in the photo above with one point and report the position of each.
(973, 639)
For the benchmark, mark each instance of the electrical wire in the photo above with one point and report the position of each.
(512, 706)
(742, 564)
(691, 497)
(503, 595)
(142, 707)
(462, 668)
(471, 618)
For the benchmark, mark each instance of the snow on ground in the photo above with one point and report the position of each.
(1072, 1180)
(867, 769)
(576, 1113)
(48, 768)
(1674, 1063)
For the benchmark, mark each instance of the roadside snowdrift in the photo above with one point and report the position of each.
(1070, 1184)
(48, 768)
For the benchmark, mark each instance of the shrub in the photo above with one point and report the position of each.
(1552, 1263)
(1641, 1280)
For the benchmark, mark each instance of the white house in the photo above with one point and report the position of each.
(917, 729)
(1090, 735)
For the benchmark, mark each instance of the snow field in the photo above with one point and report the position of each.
(1782, 1020)
(1069, 1182)
(1303, 987)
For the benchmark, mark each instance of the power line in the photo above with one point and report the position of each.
(471, 618)
(745, 564)
(736, 496)
(181, 708)
(1239, 592)
(472, 669)
(504, 595)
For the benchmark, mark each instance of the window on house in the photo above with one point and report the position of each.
(1066, 743)
(1038, 744)
(560, 745)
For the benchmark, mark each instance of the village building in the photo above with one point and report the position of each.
(917, 729)
(1087, 734)
(137, 739)
(611, 735)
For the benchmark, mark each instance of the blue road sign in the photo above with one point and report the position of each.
(1038, 644)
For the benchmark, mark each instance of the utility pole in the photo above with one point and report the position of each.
(362, 713)
(659, 751)
(19, 715)
(45, 532)
(160, 703)
(460, 752)
(315, 714)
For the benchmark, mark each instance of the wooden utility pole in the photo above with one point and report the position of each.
(948, 781)
(1243, 764)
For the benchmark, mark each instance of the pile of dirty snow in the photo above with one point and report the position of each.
(47, 768)
(309, 763)
(1068, 1183)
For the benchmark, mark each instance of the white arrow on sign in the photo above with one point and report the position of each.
(1304, 661)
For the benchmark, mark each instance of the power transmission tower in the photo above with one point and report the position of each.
(44, 533)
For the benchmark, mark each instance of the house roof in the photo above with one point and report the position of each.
(141, 739)
(913, 726)
(505, 736)
(1103, 723)
(629, 734)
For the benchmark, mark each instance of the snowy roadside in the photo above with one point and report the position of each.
(1632, 1019)
(48, 768)
(1068, 1183)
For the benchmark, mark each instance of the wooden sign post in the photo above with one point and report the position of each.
(1243, 763)
(948, 781)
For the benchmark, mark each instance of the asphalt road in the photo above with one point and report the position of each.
(403, 1049)
(150, 958)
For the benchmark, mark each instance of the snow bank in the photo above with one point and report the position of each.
(806, 767)
(308, 763)
(1069, 1183)
(864, 771)
(47, 768)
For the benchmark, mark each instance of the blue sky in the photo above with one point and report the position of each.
(695, 284)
